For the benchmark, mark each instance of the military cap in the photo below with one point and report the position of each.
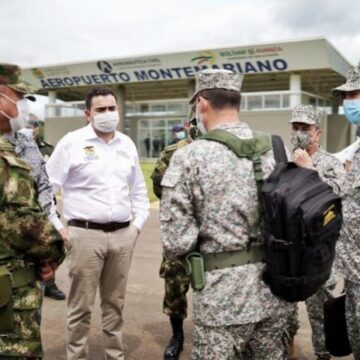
(10, 75)
(306, 114)
(177, 128)
(352, 82)
(216, 79)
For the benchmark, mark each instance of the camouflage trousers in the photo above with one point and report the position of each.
(352, 312)
(291, 328)
(258, 341)
(25, 341)
(176, 286)
(315, 310)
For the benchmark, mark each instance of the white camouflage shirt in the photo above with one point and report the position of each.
(348, 247)
(208, 204)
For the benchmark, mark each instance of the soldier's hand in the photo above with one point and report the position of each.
(302, 158)
(64, 234)
(46, 271)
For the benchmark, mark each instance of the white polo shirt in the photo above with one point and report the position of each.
(100, 182)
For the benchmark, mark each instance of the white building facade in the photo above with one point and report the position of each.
(153, 90)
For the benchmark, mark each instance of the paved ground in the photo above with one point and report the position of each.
(146, 330)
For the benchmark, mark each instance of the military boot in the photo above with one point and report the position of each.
(52, 291)
(175, 345)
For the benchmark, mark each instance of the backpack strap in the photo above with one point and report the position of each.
(251, 149)
(279, 149)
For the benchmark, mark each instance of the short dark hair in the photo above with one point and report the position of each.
(97, 91)
(221, 98)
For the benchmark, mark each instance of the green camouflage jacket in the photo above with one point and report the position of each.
(163, 163)
(25, 232)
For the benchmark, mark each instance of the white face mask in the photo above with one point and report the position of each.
(107, 121)
(199, 123)
(23, 113)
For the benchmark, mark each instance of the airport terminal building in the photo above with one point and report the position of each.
(153, 90)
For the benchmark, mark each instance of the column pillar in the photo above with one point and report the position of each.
(120, 95)
(52, 100)
(295, 86)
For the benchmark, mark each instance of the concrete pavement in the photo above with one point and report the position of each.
(147, 329)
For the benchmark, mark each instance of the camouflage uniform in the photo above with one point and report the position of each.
(331, 171)
(348, 251)
(27, 150)
(173, 271)
(26, 238)
(347, 261)
(203, 209)
(45, 148)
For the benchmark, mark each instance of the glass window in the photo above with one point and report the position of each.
(144, 124)
(158, 141)
(176, 108)
(158, 123)
(130, 109)
(312, 101)
(158, 108)
(144, 143)
(254, 102)
(144, 107)
(272, 101)
(286, 101)
(171, 123)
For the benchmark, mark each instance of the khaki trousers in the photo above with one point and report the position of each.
(97, 259)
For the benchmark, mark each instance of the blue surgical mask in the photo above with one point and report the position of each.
(352, 111)
(180, 135)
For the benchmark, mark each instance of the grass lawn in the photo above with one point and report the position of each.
(147, 168)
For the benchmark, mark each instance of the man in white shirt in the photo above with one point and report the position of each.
(105, 205)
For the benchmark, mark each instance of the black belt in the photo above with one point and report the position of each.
(107, 227)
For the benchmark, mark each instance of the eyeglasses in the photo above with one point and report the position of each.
(103, 109)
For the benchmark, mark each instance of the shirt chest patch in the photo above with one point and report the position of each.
(90, 153)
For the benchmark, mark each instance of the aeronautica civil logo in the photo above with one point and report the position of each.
(37, 73)
(104, 66)
(205, 57)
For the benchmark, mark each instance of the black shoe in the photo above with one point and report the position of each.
(52, 291)
(174, 348)
(176, 343)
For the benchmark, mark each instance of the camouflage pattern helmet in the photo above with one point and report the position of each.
(352, 82)
(306, 114)
(210, 79)
(10, 75)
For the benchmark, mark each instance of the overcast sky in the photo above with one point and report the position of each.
(42, 32)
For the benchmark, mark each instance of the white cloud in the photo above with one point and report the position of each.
(57, 31)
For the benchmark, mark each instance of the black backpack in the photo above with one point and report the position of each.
(301, 218)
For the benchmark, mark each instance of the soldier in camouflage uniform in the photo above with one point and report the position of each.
(28, 147)
(173, 271)
(305, 137)
(209, 203)
(30, 248)
(348, 249)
